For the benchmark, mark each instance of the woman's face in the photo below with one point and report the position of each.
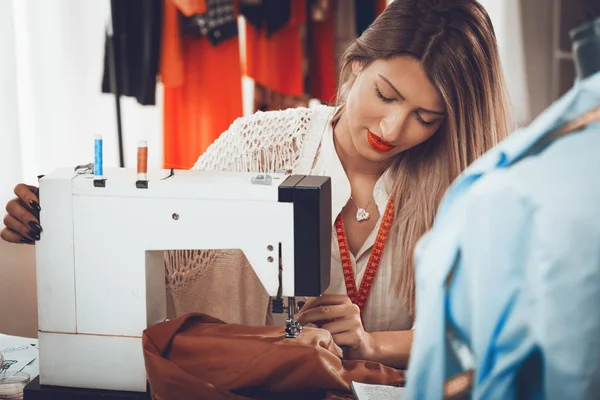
(391, 107)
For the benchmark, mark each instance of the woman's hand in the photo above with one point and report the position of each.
(21, 223)
(337, 314)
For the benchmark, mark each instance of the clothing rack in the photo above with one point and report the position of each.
(114, 84)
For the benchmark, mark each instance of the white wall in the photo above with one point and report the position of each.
(18, 309)
(10, 148)
(506, 19)
(538, 41)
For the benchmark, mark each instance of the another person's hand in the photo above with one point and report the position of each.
(337, 314)
(21, 224)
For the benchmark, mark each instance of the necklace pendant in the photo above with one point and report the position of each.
(362, 215)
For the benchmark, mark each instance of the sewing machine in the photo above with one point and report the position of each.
(100, 266)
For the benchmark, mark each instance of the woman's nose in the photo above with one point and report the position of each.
(393, 124)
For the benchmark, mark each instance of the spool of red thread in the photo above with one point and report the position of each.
(142, 160)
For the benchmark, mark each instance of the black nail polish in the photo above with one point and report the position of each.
(35, 205)
(33, 235)
(35, 226)
(25, 240)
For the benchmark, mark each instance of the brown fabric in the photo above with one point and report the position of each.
(199, 357)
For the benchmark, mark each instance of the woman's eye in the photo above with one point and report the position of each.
(423, 122)
(382, 97)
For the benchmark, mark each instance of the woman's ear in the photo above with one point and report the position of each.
(357, 66)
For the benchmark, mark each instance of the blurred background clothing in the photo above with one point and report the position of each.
(286, 47)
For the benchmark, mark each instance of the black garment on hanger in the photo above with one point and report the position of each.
(272, 14)
(365, 15)
(137, 35)
(218, 23)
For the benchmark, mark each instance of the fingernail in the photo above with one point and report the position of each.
(35, 226)
(33, 235)
(25, 240)
(35, 205)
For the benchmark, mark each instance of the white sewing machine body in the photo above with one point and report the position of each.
(100, 266)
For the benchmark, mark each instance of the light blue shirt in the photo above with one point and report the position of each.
(524, 240)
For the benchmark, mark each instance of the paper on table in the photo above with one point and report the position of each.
(364, 391)
(22, 350)
(15, 364)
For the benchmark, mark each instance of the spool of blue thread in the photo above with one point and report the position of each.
(98, 172)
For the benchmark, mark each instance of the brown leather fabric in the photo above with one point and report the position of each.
(200, 357)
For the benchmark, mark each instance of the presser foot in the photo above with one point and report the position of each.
(292, 328)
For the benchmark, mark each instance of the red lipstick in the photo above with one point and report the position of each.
(378, 143)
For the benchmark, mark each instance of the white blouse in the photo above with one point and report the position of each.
(383, 310)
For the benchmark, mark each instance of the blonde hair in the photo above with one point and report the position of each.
(455, 43)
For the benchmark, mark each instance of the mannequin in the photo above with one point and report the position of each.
(586, 48)
(509, 308)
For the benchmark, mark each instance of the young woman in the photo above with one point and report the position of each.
(421, 96)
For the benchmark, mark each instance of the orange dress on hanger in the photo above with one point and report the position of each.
(202, 87)
(276, 62)
(323, 64)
